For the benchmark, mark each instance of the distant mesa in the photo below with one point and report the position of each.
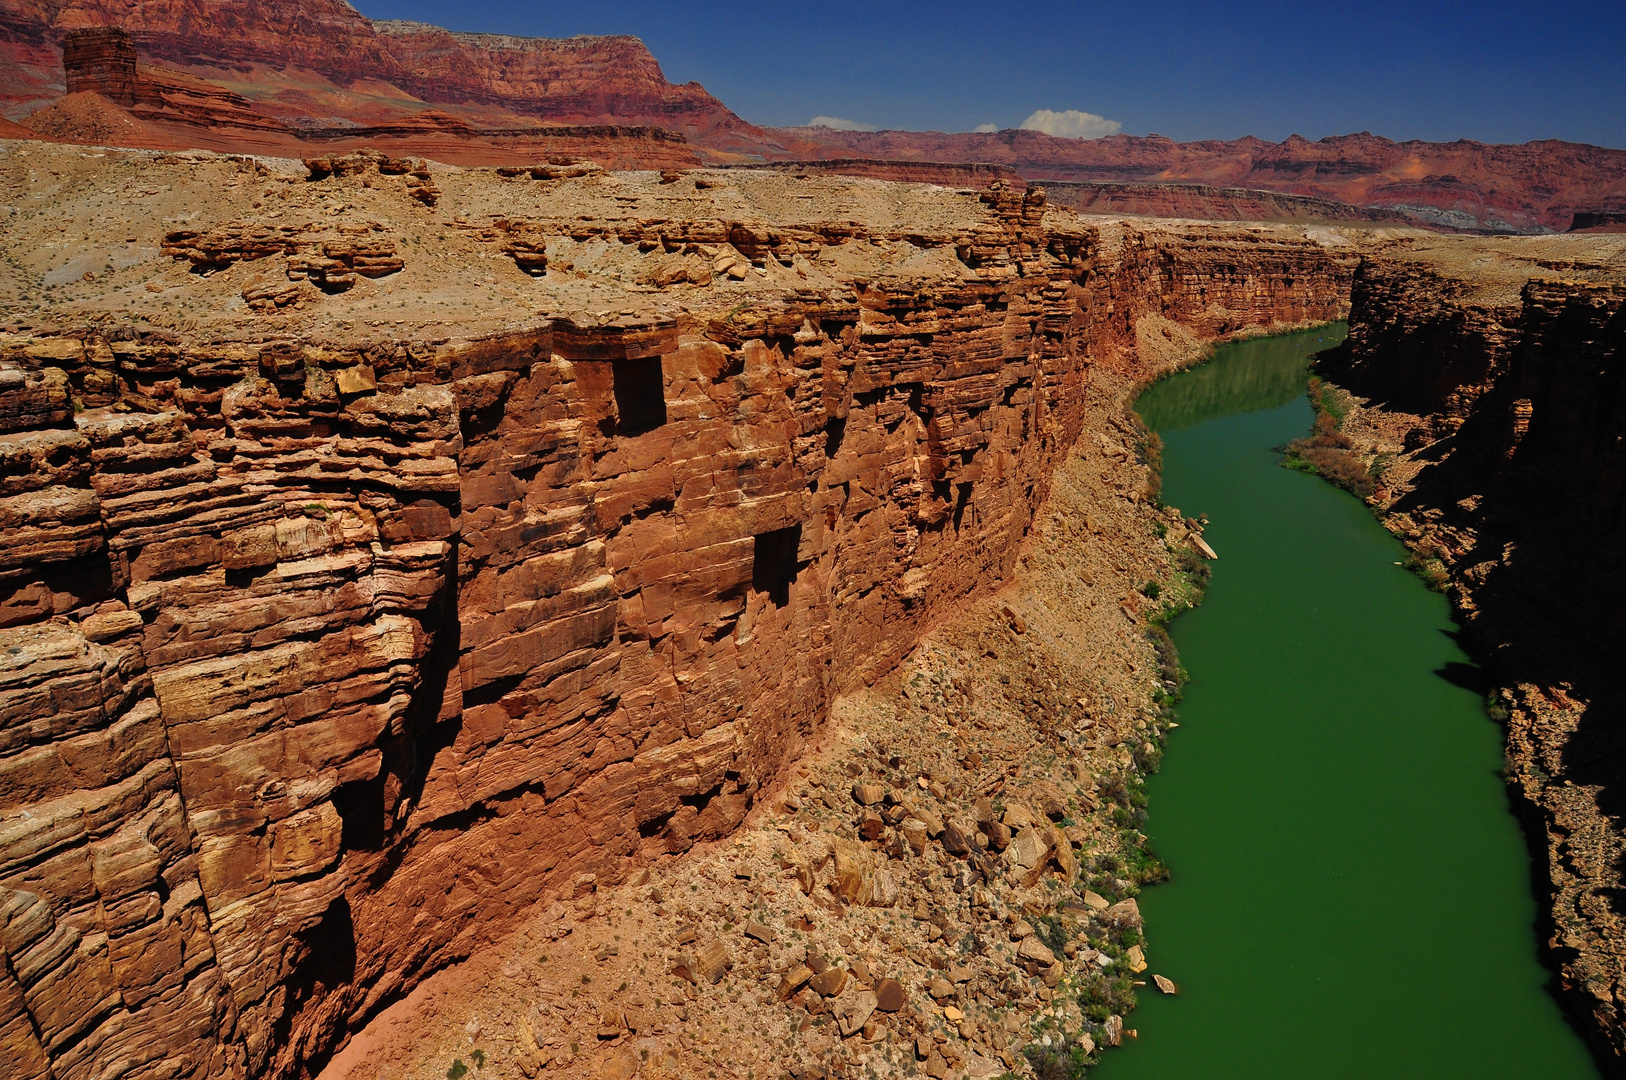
(1204, 201)
(100, 60)
(942, 173)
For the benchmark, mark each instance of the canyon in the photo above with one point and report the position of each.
(416, 566)
(337, 577)
(1489, 397)
(509, 562)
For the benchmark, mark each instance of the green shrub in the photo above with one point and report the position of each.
(1048, 929)
(1328, 452)
(1426, 562)
(1064, 1061)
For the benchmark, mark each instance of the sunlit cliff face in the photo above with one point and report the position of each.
(366, 590)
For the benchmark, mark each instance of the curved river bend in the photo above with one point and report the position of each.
(1350, 895)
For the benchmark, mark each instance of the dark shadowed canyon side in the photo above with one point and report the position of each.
(1492, 396)
(513, 570)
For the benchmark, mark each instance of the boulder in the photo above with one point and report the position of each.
(1035, 952)
(868, 794)
(830, 982)
(889, 995)
(793, 980)
(712, 962)
(853, 1012)
(1124, 913)
(934, 824)
(1027, 854)
(1049, 799)
(853, 874)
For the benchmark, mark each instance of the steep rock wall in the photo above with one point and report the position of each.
(1420, 343)
(323, 664)
(112, 100)
(582, 79)
(1517, 484)
(100, 60)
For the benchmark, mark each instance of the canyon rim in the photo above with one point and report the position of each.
(513, 569)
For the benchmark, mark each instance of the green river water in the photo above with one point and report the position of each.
(1350, 895)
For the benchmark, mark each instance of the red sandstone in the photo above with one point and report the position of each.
(351, 622)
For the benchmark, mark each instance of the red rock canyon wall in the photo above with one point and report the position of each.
(320, 671)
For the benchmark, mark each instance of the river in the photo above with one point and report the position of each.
(1350, 895)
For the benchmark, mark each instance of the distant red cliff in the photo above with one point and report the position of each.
(333, 66)
(1464, 184)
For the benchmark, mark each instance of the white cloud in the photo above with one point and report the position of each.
(1071, 124)
(984, 129)
(836, 123)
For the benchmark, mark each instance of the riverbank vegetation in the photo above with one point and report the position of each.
(1328, 452)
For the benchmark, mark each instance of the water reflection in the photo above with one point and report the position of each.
(1274, 376)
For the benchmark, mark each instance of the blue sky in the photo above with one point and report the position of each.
(1498, 72)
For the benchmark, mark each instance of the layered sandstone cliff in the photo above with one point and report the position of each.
(381, 565)
(330, 60)
(1494, 375)
(113, 100)
(1533, 187)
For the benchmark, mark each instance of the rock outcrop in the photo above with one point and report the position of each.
(1494, 378)
(100, 60)
(329, 655)
(1599, 221)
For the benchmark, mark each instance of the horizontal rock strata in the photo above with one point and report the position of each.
(1210, 203)
(326, 659)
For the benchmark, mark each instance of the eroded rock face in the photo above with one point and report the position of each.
(1516, 487)
(582, 79)
(100, 60)
(1533, 187)
(324, 662)
(1418, 344)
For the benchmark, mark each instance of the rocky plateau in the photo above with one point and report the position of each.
(272, 77)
